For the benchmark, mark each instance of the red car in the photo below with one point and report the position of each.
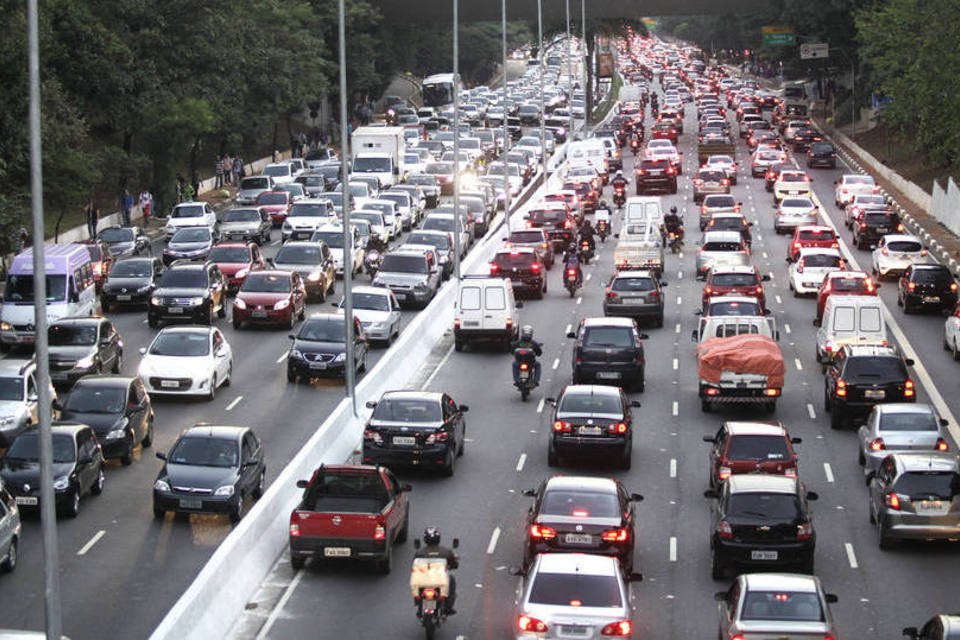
(735, 281)
(270, 297)
(847, 283)
(664, 131)
(101, 262)
(819, 237)
(236, 260)
(751, 447)
(277, 204)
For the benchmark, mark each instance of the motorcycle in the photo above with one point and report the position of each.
(675, 240)
(586, 251)
(571, 281)
(619, 196)
(429, 578)
(371, 262)
(603, 230)
(526, 360)
(635, 146)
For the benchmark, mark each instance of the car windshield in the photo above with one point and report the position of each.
(575, 590)
(711, 202)
(580, 504)
(111, 236)
(733, 279)
(11, 389)
(70, 335)
(242, 215)
(205, 452)
(322, 330)
(936, 275)
(254, 183)
(19, 288)
(181, 344)
(197, 234)
(306, 209)
(189, 211)
(617, 337)
(273, 197)
(230, 255)
(276, 170)
(878, 369)
(772, 506)
(735, 308)
(26, 446)
(266, 283)
(908, 421)
(928, 485)
(89, 398)
(398, 263)
(434, 239)
(298, 254)
(757, 447)
(905, 246)
(334, 239)
(407, 410)
(588, 403)
(371, 301)
(782, 606)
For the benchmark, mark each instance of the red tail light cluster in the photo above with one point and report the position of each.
(617, 629)
(541, 532)
(562, 427)
(526, 623)
(893, 501)
(878, 445)
(724, 530)
(804, 531)
(908, 389)
(615, 535)
(618, 427)
(942, 445)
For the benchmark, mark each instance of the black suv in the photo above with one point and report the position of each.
(804, 139)
(924, 286)
(761, 521)
(131, 282)
(417, 428)
(862, 376)
(592, 419)
(609, 350)
(873, 225)
(822, 154)
(524, 268)
(656, 175)
(189, 291)
(319, 349)
(558, 224)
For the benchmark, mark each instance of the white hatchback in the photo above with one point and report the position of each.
(896, 252)
(811, 267)
(186, 361)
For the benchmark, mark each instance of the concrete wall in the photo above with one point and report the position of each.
(945, 205)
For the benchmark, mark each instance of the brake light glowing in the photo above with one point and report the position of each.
(541, 532)
(878, 445)
(911, 285)
(712, 391)
(294, 530)
(725, 472)
(373, 436)
(782, 597)
(953, 286)
(771, 392)
(791, 472)
(380, 533)
(562, 427)
(535, 267)
(942, 445)
(429, 594)
(617, 427)
(908, 390)
(571, 272)
(494, 269)
(526, 623)
(724, 530)
(617, 629)
(893, 501)
(804, 531)
(615, 535)
(841, 384)
(524, 366)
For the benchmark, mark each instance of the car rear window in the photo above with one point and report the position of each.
(858, 180)
(904, 245)
(928, 485)
(774, 506)
(779, 605)
(711, 176)
(932, 276)
(542, 216)
(880, 218)
(719, 201)
(633, 284)
(514, 260)
(407, 410)
(722, 246)
(733, 279)
(878, 369)
(821, 260)
(395, 263)
(655, 164)
(757, 447)
(908, 421)
(575, 590)
(580, 504)
(470, 298)
(848, 284)
(586, 403)
(735, 308)
(794, 203)
(608, 337)
(526, 237)
(816, 235)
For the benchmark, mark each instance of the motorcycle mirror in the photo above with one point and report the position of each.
(456, 542)
(530, 493)
(635, 403)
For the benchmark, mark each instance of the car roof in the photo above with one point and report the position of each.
(79, 320)
(67, 427)
(383, 291)
(411, 395)
(579, 563)
(593, 389)
(904, 407)
(754, 428)
(582, 483)
(821, 251)
(731, 298)
(779, 581)
(721, 236)
(741, 268)
(201, 430)
(187, 329)
(609, 322)
(634, 273)
(105, 381)
(926, 461)
(873, 350)
(761, 482)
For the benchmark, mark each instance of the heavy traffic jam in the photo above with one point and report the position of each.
(682, 331)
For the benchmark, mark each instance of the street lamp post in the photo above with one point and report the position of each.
(543, 110)
(350, 373)
(586, 58)
(506, 129)
(456, 139)
(569, 77)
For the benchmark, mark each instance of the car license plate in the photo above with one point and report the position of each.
(578, 538)
(608, 375)
(574, 630)
(174, 310)
(928, 506)
(27, 501)
(875, 394)
(25, 339)
(169, 384)
(336, 552)
(405, 441)
(58, 375)
(524, 375)
(764, 555)
(931, 298)
(191, 503)
(318, 365)
(258, 314)
(124, 298)
(589, 431)
(882, 229)
(471, 323)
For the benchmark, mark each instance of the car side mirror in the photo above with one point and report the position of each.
(303, 484)
(872, 247)
(767, 312)
(944, 422)
(813, 495)
(291, 336)
(749, 224)
(817, 322)
(644, 336)
(635, 403)
(664, 284)
(516, 571)
(709, 439)
(161, 455)
(142, 351)
(519, 305)
(571, 334)
(252, 462)
(456, 542)
(636, 497)
(698, 312)
(831, 598)
(530, 493)
(616, 235)
(908, 361)
(720, 596)
(711, 493)
(765, 278)
(911, 632)
(335, 304)
(371, 404)
(788, 259)
(693, 336)
(796, 440)
(56, 405)
(635, 576)
(270, 262)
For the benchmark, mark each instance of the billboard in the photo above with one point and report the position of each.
(604, 65)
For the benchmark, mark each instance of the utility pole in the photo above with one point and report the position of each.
(506, 128)
(350, 373)
(456, 138)
(543, 110)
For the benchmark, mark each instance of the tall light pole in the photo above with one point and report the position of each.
(586, 60)
(48, 515)
(506, 128)
(543, 111)
(456, 139)
(350, 373)
(569, 77)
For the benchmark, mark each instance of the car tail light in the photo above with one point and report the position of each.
(790, 472)
(671, 171)
(562, 427)
(617, 427)
(878, 445)
(612, 295)
(942, 445)
(437, 436)
(494, 269)
(724, 530)
(870, 286)
(653, 294)
(372, 435)
(804, 531)
(899, 227)
(535, 267)
(542, 532)
(294, 530)
(707, 291)
(618, 629)
(526, 623)
(725, 472)
(712, 391)
(758, 290)
(841, 384)
(908, 390)
(725, 182)
(429, 594)
(893, 501)
(509, 323)
(380, 532)
(456, 323)
(911, 285)
(615, 535)
(771, 392)
(953, 286)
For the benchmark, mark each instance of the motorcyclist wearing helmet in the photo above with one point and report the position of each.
(433, 549)
(524, 340)
(673, 223)
(619, 180)
(376, 243)
(602, 214)
(571, 260)
(587, 232)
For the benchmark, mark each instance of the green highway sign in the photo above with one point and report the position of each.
(779, 39)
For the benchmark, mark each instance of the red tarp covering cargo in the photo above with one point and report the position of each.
(749, 353)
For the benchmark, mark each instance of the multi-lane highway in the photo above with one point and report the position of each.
(879, 591)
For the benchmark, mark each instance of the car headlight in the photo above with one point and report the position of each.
(239, 303)
(6, 326)
(420, 285)
(196, 302)
(115, 434)
(85, 363)
(155, 301)
(60, 484)
(314, 276)
(143, 289)
(225, 490)
(340, 357)
(295, 354)
(287, 228)
(161, 485)
(283, 304)
(377, 326)
(242, 273)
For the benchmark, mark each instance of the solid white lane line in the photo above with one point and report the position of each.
(676, 408)
(556, 363)
(280, 606)
(274, 243)
(673, 548)
(778, 299)
(92, 541)
(234, 403)
(579, 299)
(811, 412)
(679, 275)
(673, 467)
(282, 358)
(521, 461)
(765, 256)
(540, 405)
(433, 374)
(786, 327)
(851, 556)
(828, 471)
(493, 541)
(798, 364)
(676, 364)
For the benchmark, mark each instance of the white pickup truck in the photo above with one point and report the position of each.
(640, 246)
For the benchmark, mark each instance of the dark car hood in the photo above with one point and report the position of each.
(131, 284)
(180, 292)
(16, 473)
(70, 352)
(199, 477)
(101, 423)
(120, 248)
(187, 246)
(312, 346)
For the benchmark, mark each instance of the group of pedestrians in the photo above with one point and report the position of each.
(91, 212)
(228, 170)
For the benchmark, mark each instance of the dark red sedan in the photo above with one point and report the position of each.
(236, 260)
(277, 204)
(270, 297)
(751, 447)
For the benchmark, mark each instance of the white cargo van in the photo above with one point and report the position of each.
(849, 320)
(590, 152)
(485, 311)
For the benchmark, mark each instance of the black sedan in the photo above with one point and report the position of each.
(189, 243)
(83, 345)
(319, 349)
(118, 410)
(592, 419)
(761, 521)
(925, 286)
(415, 428)
(77, 467)
(609, 350)
(210, 469)
(131, 283)
(582, 515)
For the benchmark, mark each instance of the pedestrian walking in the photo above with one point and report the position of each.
(93, 218)
(218, 172)
(196, 184)
(237, 169)
(181, 183)
(146, 205)
(126, 205)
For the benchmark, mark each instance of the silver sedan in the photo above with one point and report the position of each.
(899, 427)
(794, 212)
(774, 605)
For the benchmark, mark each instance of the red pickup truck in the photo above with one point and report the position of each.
(349, 511)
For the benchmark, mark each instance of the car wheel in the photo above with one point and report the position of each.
(836, 420)
(73, 508)
(861, 459)
(291, 376)
(290, 320)
(127, 458)
(261, 481)
(404, 533)
(659, 321)
(717, 569)
(553, 459)
(626, 458)
(384, 564)
(213, 388)
(322, 296)
(10, 562)
(807, 566)
(148, 439)
(97, 487)
(117, 363)
(235, 510)
(640, 383)
(229, 378)
(151, 322)
(705, 406)
(884, 540)
(956, 350)
(159, 513)
(450, 463)
(237, 324)
(105, 307)
(303, 312)
(222, 311)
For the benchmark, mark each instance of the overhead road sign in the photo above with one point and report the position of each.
(779, 39)
(814, 51)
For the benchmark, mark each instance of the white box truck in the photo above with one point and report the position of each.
(378, 151)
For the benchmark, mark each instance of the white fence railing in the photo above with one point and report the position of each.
(945, 205)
